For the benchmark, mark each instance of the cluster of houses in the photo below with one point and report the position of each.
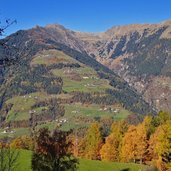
(7, 130)
(90, 85)
(109, 109)
(75, 111)
(94, 78)
(68, 71)
(32, 111)
(61, 121)
(30, 96)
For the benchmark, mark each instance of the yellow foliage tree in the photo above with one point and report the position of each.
(23, 142)
(128, 150)
(152, 154)
(119, 128)
(110, 150)
(134, 146)
(93, 142)
(163, 143)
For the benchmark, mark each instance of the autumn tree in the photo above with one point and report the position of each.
(93, 142)
(82, 147)
(135, 145)
(119, 128)
(110, 150)
(128, 151)
(23, 142)
(161, 118)
(163, 143)
(51, 152)
(152, 154)
(142, 142)
(106, 123)
(148, 126)
(77, 137)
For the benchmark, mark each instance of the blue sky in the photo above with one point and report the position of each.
(84, 15)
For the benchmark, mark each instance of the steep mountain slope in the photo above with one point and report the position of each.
(140, 54)
(47, 78)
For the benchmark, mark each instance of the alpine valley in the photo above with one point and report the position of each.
(52, 76)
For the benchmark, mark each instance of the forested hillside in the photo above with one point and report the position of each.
(44, 82)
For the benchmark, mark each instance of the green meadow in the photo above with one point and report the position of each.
(24, 162)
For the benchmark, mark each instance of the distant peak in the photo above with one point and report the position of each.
(37, 27)
(167, 22)
(59, 26)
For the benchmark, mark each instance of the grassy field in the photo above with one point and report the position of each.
(91, 165)
(50, 125)
(77, 114)
(83, 79)
(49, 57)
(17, 132)
(80, 115)
(22, 105)
(24, 161)
(84, 165)
(94, 110)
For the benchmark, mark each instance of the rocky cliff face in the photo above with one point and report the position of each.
(141, 54)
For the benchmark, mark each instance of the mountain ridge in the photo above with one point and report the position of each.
(130, 65)
(119, 44)
(51, 75)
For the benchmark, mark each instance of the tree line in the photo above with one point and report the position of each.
(148, 142)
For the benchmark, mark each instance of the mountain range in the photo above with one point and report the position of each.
(55, 75)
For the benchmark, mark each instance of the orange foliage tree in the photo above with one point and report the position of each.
(135, 144)
(110, 150)
(23, 142)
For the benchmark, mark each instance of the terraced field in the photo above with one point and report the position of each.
(22, 106)
(14, 132)
(82, 79)
(49, 57)
(82, 115)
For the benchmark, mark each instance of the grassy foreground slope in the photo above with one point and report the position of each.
(84, 165)
(93, 165)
